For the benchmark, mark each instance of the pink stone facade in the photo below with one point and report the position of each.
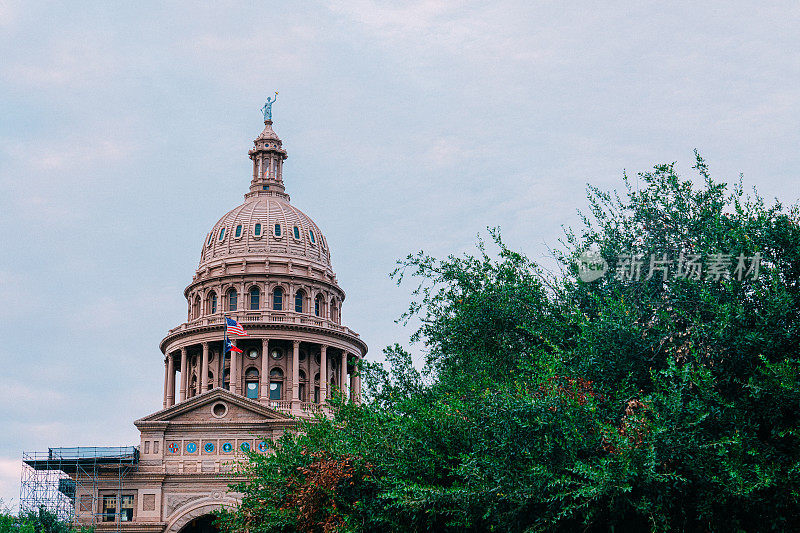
(267, 265)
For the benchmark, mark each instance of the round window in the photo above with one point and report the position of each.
(252, 353)
(276, 354)
(219, 410)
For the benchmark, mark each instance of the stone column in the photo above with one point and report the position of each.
(234, 369)
(264, 371)
(357, 391)
(166, 380)
(184, 372)
(219, 377)
(296, 376)
(204, 370)
(343, 379)
(171, 382)
(353, 379)
(323, 373)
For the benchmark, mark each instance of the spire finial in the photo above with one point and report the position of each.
(267, 109)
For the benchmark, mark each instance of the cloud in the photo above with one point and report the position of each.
(79, 61)
(51, 184)
(19, 394)
(9, 11)
(14, 295)
(51, 157)
(10, 473)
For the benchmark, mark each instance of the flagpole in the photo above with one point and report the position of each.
(224, 349)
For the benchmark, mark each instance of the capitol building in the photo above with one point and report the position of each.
(266, 265)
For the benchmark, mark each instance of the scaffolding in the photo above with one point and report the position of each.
(67, 482)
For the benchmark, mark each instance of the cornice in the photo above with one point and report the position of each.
(253, 327)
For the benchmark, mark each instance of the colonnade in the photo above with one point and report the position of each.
(284, 378)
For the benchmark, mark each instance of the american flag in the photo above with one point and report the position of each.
(235, 327)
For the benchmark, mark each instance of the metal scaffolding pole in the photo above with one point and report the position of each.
(67, 482)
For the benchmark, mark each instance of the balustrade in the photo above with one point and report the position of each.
(283, 317)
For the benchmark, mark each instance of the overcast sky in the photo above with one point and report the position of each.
(124, 132)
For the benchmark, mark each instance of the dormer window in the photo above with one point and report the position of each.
(257, 230)
(297, 233)
(238, 231)
(277, 230)
(221, 234)
(210, 236)
(311, 234)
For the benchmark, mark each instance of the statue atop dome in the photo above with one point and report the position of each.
(267, 109)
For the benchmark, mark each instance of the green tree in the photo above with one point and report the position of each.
(40, 521)
(552, 404)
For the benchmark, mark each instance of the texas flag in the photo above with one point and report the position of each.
(229, 347)
(235, 327)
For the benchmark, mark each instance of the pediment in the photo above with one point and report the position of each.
(205, 408)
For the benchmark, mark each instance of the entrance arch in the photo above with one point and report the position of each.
(191, 517)
(202, 524)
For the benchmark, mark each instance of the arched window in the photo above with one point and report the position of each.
(210, 380)
(311, 234)
(238, 231)
(255, 298)
(221, 234)
(277, 230)
(318, 305)
(316, 388)
(257, 230)
(232, 300)
(226, 378)
(196, 311)
(332, 315)
(299, 298)
(296, 233)
(275, 384)
(277, 299)
(251, 383)
(212, 303)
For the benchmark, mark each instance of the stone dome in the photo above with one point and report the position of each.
(265, 225)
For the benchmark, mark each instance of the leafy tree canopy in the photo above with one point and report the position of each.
(549, 403)
(41, 521)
